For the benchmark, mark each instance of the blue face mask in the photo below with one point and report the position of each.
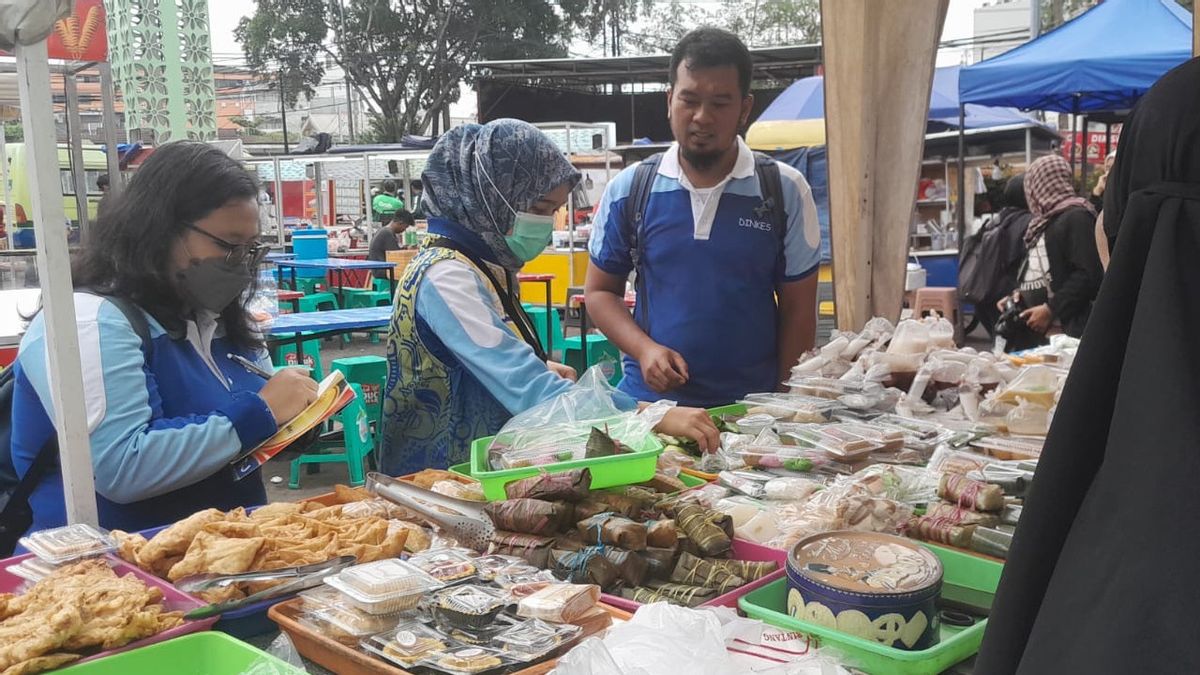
(530, 236)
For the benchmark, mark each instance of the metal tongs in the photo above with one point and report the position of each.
(305, 576)
(466, 521)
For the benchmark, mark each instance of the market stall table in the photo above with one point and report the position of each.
(291, 328)
(339, 267)
(547, 280)
(292, 297)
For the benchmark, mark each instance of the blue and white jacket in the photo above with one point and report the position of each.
(163, 428)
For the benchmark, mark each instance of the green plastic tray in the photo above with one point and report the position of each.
(633, 467)
(464, 469)
(205, 653)
(738, 409)
(968, 579)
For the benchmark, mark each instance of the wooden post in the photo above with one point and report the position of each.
(879, 61)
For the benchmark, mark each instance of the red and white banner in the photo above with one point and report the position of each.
(1097, 148)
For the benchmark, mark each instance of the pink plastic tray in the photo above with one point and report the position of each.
(173, 600)
(742, 550)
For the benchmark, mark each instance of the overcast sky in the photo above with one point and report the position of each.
(959, 24)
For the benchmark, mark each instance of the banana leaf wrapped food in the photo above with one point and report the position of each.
(662, 534)
(571, 486)
(633, 567)
(750, 570)
(571, 541)
(970, 494)
(588, 566)
(695, 571)
(961, 516)
(710, 531)
(660, 562)
(530, 547)
(676, 594)
(607, 528)
(665, 484)
(530, 516)
(607, 502)
(940, 531)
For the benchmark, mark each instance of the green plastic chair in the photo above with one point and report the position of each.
(317, 302)
(370, 374)
(357, 442)
(599, 350)
(538, 316)
(308, 285)
(285, 355)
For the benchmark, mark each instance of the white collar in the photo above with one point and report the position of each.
(742, 168)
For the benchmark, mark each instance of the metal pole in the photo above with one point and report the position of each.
(78, 173)
(962, 173)
(368, 213)
(1107, 139)
(278, 200)
(1035, 19)
(570, 228)
(1083, 170)
(283, 114)
(10, 216)
(407, 173)
(54, 271)
(318, 188)
(116, 182)
(1028, 147)
(350, 107)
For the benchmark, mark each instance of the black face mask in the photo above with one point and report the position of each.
(213, 284)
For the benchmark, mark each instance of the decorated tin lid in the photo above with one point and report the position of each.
(866, 562)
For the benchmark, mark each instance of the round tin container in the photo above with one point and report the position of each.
(874, 586)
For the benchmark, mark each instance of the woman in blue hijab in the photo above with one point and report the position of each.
(462, 355)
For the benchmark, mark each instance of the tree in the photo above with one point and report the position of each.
(760, 23)
(14, 132)
(1058, 12)
(607, 19)
(408, 58)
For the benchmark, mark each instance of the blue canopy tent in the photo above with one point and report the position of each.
(1101, 61)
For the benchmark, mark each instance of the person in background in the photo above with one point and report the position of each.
(727, 295)
(462, 354)
(1000, 254)
(388, 239)
(165, 419)
(418, 191)
(1097, 196)
(386, 202)
(1092, 582)
(102, 183)
(1062, 273)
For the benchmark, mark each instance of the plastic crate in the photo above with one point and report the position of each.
(625, 469)
(967, 580)
(199, 654)
(690, 481)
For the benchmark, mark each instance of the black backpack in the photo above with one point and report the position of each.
(770, 185)
(991, 258)
(15, 513)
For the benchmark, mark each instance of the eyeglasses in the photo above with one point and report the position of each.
(250, 254)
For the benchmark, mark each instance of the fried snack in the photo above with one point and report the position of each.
(609, 529)
(344, 494)
(79, 607)
(571, 486)
(128, 545)
(530, 516)
(427, 478)
(418, 537)
(166, 548)
(212, 552)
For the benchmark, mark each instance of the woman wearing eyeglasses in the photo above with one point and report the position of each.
(171, 258)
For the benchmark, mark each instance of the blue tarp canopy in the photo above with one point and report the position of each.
(805, 100)
(1102, 60)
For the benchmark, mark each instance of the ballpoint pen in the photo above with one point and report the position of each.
(250, 366)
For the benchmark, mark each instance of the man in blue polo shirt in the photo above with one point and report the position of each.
(726, 301)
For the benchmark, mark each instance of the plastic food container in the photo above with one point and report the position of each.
(405, 596)
(468, 607)
(65, 544)
(623, 469)
(489, 567)
(407, 644)
(533, 639)
(561, 602)
(466, 660)
(755, 424)
(32, 569)
(446, 565)
(852, 580)
(386, 576)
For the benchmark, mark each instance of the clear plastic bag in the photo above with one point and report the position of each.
(559, 429)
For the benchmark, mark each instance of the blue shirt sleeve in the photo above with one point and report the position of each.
(137, 453)
(802, 242)
(460, 310)
(609, 242)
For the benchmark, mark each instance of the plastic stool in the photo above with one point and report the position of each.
(315, 302)
(381, 285)
(537, 315)
(599, 350)
(285, 355)
(356, 444)
(370, 374)
(308, 286)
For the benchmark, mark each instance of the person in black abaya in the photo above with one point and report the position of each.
(994, 256)
(1101, 576)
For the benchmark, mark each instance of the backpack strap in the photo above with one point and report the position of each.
(635, 212)
(770, 185)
